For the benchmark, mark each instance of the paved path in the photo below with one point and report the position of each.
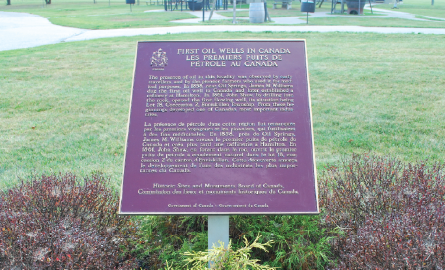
(404, 15)
(20, 30)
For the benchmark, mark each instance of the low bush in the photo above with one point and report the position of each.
(166, 238)
(392, 214)
(60, 222)
(221, 258)
(298, 241)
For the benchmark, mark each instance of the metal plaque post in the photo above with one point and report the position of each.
(218, 230)
(234, 12)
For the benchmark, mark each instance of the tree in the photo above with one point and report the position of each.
(8, 2)
(213, 8)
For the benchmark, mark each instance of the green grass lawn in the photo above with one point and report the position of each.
(125, 20)
(419, 7)
(64, 107)
(86, 14)
(115, 14)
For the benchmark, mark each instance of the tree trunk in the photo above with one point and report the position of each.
(266, 17)
(48, 2)
(213, 8)
(8, 2)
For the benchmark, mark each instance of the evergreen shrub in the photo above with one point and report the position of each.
(298, 241)
(221, 257)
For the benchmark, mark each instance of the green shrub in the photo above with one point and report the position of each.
(299, 242)
(165, 238)
(226, 258)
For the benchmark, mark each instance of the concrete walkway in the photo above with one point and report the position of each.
(402, 15)
(20, 30)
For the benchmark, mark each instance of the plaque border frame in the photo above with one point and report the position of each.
(228, 212)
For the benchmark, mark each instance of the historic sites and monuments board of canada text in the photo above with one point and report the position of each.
(220, 127)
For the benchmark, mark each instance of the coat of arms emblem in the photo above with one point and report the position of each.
(159, 59)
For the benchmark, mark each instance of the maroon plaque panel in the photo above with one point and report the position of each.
(220, 127)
